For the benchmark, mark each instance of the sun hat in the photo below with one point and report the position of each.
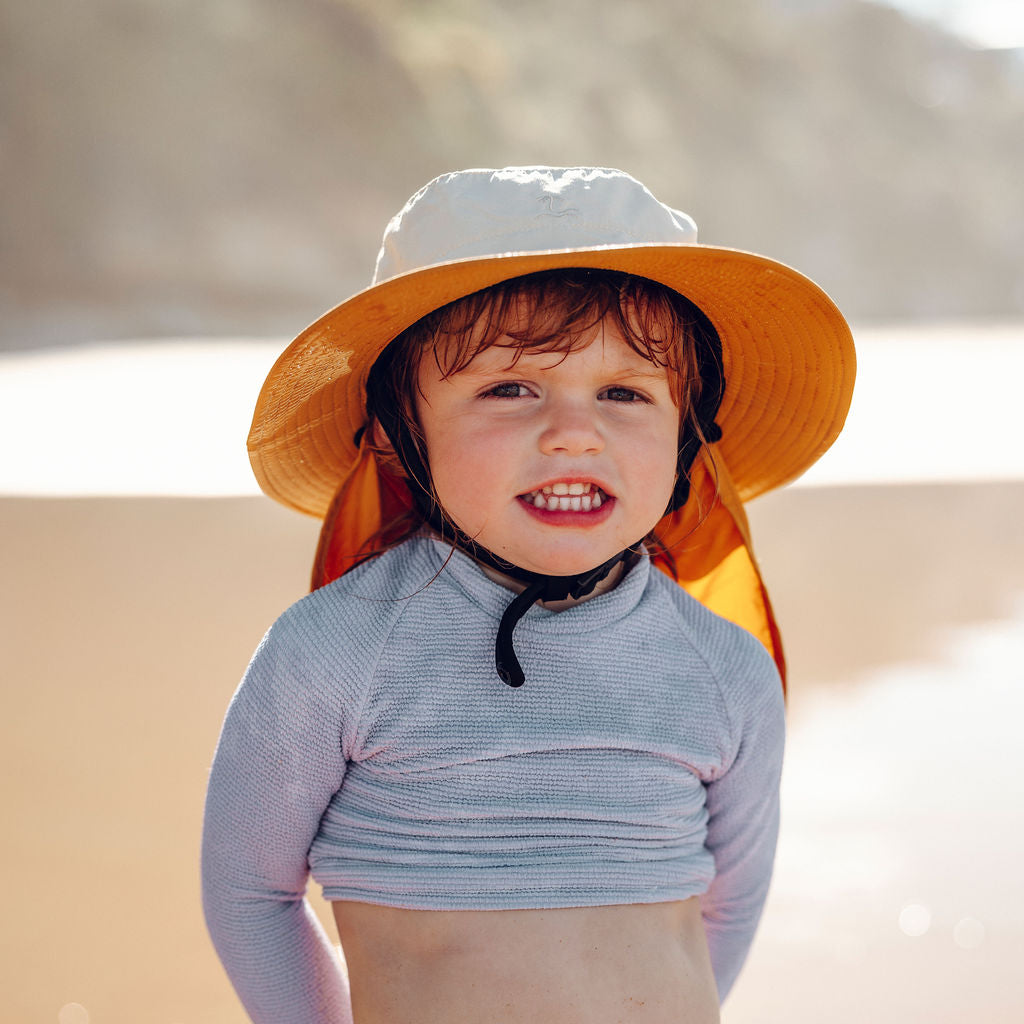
(787, 350)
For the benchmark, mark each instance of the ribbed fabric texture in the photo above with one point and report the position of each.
(372, 743)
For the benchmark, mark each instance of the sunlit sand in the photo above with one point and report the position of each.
(898, 894)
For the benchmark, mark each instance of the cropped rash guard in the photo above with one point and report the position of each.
(372, 744)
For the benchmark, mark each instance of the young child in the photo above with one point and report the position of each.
(527, 729)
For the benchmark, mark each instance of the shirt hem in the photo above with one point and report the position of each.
(522, 899)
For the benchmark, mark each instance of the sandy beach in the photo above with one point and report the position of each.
(128, 621)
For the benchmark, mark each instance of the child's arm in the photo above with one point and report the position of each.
(743, 808)
(278, 763)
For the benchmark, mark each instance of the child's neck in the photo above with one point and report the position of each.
(610, 581)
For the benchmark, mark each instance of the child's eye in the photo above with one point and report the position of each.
(507, 389)
(623, 395)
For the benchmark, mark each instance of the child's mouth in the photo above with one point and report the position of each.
(565, 497)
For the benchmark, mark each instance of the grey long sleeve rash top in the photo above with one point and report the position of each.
(372, 744)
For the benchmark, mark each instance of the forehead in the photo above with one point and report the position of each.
(602, 351)
(539, 341)
(602, 347)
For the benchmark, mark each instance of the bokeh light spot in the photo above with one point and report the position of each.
(969, 933)
(72, 1013)
(915, 920)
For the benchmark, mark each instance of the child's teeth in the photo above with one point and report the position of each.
(562, 488)
(563, 497)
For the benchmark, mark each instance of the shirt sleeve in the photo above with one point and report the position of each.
(278, 763)
(743, 814)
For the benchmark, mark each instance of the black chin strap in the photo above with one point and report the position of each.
(543, 588)
(539, 587)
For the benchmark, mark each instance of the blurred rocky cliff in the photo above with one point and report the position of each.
(200, 167)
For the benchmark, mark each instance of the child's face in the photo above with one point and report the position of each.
(518, 452)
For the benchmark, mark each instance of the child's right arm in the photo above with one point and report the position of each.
(278, 763)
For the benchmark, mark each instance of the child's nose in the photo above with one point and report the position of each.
(571, 430)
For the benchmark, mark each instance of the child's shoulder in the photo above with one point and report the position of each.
(357, 611)
(740, 663)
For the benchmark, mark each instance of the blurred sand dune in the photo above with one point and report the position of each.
(127, 622)
(180, 168)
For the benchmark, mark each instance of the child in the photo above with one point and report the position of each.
(537, 777)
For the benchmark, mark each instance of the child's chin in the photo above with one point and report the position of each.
(563, 565)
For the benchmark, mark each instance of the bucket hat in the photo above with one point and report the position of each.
(787, 352)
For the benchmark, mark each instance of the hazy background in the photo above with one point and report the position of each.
(186, 184)
(197, 167)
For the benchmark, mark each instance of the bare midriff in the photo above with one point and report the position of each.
(647, 963)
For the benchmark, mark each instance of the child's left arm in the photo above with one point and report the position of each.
(743, 809)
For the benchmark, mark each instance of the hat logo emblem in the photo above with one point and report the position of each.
(555, 206)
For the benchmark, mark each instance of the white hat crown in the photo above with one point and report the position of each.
(483, 212)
